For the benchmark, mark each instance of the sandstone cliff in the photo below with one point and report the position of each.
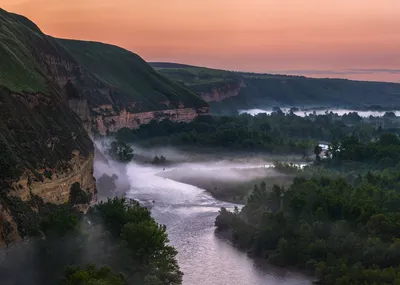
(114, 122)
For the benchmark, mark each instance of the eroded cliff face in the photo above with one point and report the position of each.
(217, 94)
(44, 150)
(100, 113)
(114, 122)
(55, 187)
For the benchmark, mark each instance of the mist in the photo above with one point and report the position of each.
(176, 194)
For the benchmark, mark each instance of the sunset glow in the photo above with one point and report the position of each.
(341, 38)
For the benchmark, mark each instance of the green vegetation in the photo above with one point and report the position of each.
(144, 241)
(115, 236)
(342, 227)
(276, 133)
(77, 196)
(346, 233)
(120, 151)
(91, 276)
(19, 70)
(198, 79)
(266, 90)
(159, 160)
(353, 154)
(137, 86)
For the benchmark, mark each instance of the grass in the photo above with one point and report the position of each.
(19, 70)
(131, 75)
(199, 79)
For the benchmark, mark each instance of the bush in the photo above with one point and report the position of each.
(77, 196)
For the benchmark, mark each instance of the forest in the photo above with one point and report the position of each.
(275, 133)
(345, 231)
(116, 243)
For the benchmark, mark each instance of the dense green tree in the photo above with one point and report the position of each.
(277, 132)
(90, 275)
(121, 151)
(345, 232)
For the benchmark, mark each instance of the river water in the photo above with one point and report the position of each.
(189, 214)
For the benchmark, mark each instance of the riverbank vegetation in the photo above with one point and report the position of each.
(343, 227)
(117, 242)
(275, 133)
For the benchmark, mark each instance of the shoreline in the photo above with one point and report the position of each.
(263, 262)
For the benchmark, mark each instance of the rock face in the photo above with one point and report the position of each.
(56, 187)
(113, 123)
(217, 94)
(45, 150)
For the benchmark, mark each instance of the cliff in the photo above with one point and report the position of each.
(218, 94)
(114, 122)
(228, 92)
(44, 148)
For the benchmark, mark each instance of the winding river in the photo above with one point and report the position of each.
(189, 213)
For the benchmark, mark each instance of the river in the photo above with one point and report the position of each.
(189, 213)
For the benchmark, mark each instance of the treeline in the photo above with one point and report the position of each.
(347, 234)
(116, 243)
(278, 132)
(352, 153)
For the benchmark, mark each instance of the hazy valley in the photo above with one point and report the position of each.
(115, 171)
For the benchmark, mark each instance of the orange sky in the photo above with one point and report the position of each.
(312, 37)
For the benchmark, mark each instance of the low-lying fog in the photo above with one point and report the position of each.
(197, 169)
(301, 113)
(189, 212)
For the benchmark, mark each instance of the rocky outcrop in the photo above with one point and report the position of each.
(44, 150)
(124, 119)
(56, 185)
(55, 189)
(217, 94)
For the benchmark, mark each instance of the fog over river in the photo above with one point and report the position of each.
(189, 213)
(340, 112)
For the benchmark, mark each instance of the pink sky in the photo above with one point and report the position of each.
(311, 37)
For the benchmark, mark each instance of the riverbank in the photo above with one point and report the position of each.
(226, 235)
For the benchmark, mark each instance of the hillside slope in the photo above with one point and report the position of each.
(133, 79)
(51, 90)
(240, 90)
(44, 148)
(120, 88)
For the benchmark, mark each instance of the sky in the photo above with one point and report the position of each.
(356, 39)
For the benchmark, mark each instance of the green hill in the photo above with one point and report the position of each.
(19, 70)
(129, 77)
(267, 90)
